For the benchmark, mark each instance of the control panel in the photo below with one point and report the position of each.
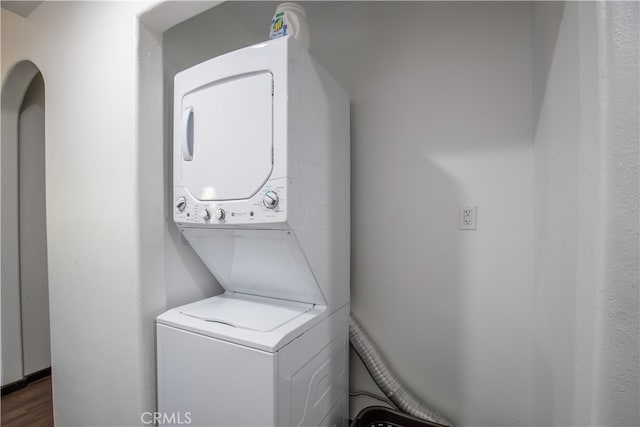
(267, 206)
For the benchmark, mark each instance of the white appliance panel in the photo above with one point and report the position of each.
(313, 373)
(303, 383)
(226, 136)
(269, 60)
(215, 381)
(318, 384)
(267, 263)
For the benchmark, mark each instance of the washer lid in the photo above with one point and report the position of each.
(247, 311)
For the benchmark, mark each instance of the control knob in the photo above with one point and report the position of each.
(270, 199)
(219, 214)
(205, 215)
(181, 203)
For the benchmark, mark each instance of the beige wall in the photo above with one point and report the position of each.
(87, 54)
(443, 114)
(490, 104)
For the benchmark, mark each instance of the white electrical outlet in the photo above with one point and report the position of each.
(468, 217)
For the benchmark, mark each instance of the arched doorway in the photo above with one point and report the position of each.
(26, 352)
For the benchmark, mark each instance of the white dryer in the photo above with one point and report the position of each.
(261, 188)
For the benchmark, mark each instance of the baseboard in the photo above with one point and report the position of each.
(17, 385)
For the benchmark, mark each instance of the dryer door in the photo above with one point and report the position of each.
(226, 137)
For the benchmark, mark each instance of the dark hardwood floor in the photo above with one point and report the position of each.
(30, 406)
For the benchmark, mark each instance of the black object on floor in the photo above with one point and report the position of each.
(380, 416)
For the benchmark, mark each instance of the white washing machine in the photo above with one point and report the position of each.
(261, 188)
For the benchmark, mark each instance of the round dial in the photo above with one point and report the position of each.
(204, 214)
(181, 203)
(219, 214)
(270, 199)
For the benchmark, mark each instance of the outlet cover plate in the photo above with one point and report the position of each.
(468, 215)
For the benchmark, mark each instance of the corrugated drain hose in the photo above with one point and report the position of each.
(388, 382)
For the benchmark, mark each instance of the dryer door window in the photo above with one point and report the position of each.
(226, 138)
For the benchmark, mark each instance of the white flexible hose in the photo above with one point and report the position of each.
(388, 382)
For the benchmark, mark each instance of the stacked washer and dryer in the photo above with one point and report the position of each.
(261, 190)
